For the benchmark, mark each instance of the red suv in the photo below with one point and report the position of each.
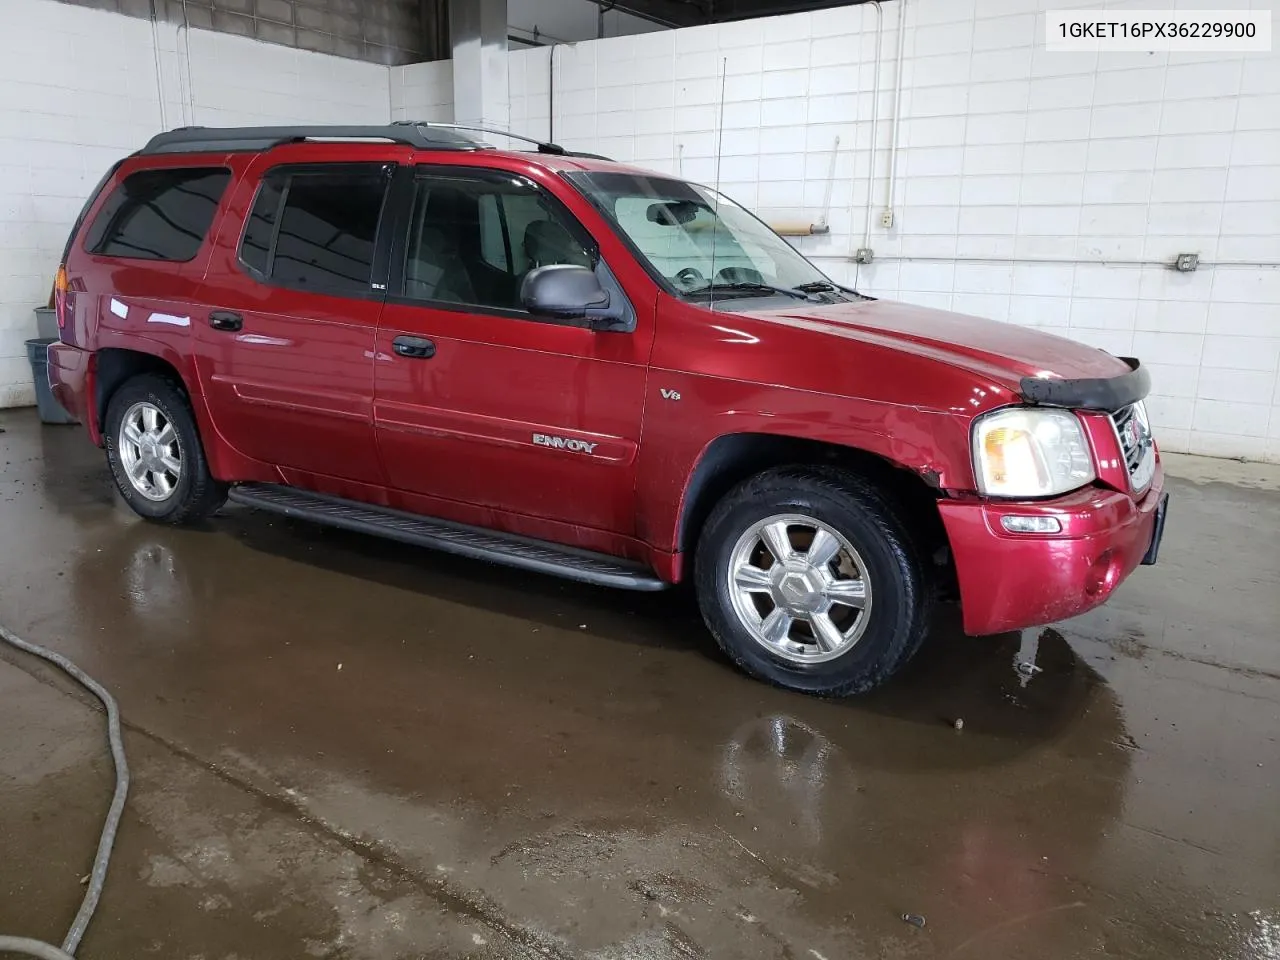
(564, 364)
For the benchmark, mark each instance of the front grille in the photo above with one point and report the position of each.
(1136, 443)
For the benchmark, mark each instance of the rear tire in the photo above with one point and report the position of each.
(155, 453)
(844, 608)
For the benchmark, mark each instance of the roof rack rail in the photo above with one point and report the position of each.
(543, 146)
(233, 139)
(583, 155)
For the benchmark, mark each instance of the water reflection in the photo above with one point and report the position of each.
(884, 799)
(1260, 935)
(781, 768)
(154, 586)
(622, 733)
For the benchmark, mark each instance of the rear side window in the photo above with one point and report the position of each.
(255, 249)
(158, 214)
(316, 229)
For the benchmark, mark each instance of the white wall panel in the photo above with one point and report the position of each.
(80, 88)
(1010, 153)
(1030, 185)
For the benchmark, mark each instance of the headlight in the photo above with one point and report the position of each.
(1021, 452)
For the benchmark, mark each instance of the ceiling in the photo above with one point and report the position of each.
(688, 13)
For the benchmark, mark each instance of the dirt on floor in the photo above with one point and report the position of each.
(348, 748)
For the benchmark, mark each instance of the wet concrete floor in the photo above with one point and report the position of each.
(348, 748)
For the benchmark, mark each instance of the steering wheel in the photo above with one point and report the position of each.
(690, 278)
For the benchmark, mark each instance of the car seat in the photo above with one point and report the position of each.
(546, 243)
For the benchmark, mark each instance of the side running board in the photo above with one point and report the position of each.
(457, 538)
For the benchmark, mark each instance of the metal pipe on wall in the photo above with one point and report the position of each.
(1063, 261)
(551, 92)
(875, 123)
(639, 14)
(155, 51)
(798, 228)
(189, 115)
(897, 113)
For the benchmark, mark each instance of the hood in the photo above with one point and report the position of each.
(1003, 352)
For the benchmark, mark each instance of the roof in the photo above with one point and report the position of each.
(229, 139)
(420, 136)
(589, 164)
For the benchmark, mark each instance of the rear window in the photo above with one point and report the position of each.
(316, 229)
(158, 214)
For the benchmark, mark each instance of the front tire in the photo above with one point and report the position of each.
(808, 580)
(155, 453)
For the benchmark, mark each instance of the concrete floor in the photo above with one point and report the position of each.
(347, 748)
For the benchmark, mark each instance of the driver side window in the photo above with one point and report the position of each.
(472, 241)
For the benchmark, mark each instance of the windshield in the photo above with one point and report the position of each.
(701, 247)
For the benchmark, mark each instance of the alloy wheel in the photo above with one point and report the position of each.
(799, 588)
(149, 451)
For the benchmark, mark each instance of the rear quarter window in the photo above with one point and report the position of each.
(158, 214)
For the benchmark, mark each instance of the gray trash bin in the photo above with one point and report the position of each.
(51, 410)
(46, 323)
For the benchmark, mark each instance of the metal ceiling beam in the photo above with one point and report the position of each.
(744, 9)
(689, 13)
(668, 13)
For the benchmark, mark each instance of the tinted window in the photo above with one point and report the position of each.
(256, 247)
(473, 241)
(158, 214)
(316, 229)
(327, 229)
(495, 243)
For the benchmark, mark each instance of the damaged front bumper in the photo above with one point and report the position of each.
(1012, 580)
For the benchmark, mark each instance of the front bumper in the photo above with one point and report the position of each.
(1010, 580)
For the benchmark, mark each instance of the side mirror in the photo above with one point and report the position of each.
(566, 292)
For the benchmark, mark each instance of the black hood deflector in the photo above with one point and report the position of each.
(1110, 394)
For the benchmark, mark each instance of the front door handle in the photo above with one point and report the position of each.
(225, 320)
(417, 348)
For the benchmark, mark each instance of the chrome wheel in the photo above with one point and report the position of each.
(149, 451)
(800, 588)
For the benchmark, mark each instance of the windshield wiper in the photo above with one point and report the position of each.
(742, 286)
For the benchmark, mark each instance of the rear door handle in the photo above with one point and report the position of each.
(417, 348)
(225, 320)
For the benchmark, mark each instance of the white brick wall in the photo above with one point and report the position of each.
(422, 91)
(79, 89)
(1032, 187)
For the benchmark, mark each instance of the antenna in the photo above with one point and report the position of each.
(715, 213)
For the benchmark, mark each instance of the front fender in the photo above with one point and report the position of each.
(681, 439)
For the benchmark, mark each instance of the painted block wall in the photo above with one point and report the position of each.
(79, 88)
(379, 31)
(1045, 189)
(422, 91)
(1042, 189)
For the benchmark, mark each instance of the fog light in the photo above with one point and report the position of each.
(1031, 524)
